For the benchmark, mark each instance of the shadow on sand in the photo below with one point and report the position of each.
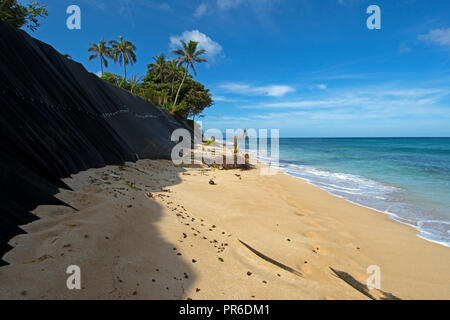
(122, 253)
(351, 281)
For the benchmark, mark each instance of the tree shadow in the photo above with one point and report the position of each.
(355, 284)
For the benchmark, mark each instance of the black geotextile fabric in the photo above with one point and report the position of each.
(57, 119)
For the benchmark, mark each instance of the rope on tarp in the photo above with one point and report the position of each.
(6, 91)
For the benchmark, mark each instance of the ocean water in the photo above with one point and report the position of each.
(407, 178)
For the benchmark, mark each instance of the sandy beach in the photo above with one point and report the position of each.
(150, 230)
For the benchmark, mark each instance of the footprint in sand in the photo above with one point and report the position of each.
(306, 267)
(313, 223)
(310, 234)
(300, 213)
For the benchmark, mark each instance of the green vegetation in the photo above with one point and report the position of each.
(167, 83)
(102, 51)
(188, 55)
(19, 15)
(123, 51)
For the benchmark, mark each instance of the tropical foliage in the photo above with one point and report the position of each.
(167, 83)
(123, 52)
(102, 51)
(19, 15)
(188, 55)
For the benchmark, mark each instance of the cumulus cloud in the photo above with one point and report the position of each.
(201, 10)
(322, 86)
(437, 36)
(271, 91)
(204, 42)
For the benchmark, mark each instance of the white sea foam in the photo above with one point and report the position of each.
(367, 193)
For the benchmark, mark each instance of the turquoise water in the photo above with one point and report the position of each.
(407, 178)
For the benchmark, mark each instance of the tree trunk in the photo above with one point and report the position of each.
(101, 65)
(125, 70)
(179, 89)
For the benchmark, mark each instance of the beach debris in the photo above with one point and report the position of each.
(221, 260)
(194, 261)
(212, 182)
(197, 290)
(115, 176)
(249, 273)
(40, 259)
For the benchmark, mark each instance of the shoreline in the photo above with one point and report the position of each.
(392, 215)
(123, 240)
(389, 214)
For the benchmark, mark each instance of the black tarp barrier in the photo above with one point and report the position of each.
(57, 119)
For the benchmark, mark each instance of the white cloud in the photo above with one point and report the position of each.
(201, 10)
(228, 4)
(369, 99)
(164, 6)
(322, 86)
(204, 42)
(223, 99)
(437, 36)
(271, 91)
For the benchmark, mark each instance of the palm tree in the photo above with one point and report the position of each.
(134, 82)
(123, 51)
(173, 71)
(101, 50)
(188, 55)
(160, 66)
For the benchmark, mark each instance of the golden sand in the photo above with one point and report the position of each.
(162, 232)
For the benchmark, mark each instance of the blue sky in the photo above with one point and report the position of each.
(310, 68)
